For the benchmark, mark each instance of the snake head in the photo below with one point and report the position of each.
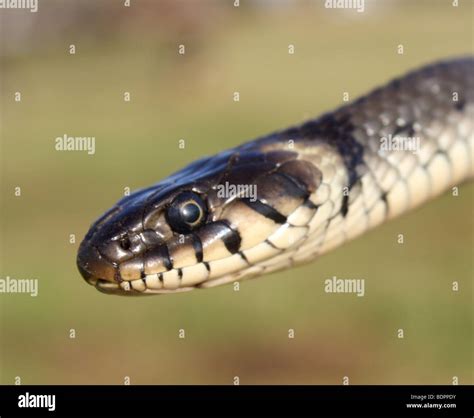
(216, 221)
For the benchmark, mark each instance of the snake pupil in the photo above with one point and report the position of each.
(190, 213)
(186, 212)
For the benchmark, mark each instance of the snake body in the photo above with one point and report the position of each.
(316, 186)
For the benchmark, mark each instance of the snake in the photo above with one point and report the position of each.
(286, 198)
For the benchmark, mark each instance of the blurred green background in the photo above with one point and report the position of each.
(190, 97)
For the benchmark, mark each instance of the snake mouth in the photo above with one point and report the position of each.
(88, 264)
(100, 284)
(121, 289)
(105, 286)
(110, 288)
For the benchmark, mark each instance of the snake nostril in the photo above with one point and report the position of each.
(125, 243)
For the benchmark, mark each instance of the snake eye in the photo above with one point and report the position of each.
(186, 212)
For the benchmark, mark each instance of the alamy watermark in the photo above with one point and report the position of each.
(31, 5)
(335, 285)
(11, 285)
(400, 143)
(28, 400)
(229, 191)
(358, 5)
(75, 143)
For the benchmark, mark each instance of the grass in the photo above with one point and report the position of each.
(227, 333)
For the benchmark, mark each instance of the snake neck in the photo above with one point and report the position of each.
(387, 153)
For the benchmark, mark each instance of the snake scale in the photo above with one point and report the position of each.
(316, 186)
